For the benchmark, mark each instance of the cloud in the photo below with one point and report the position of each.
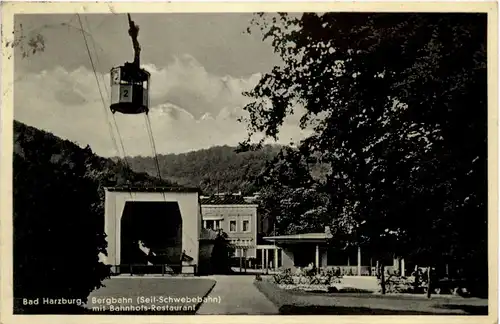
(191, 109)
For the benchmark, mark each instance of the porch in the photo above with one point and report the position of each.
(301, 250)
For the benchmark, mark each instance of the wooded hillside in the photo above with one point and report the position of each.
(219, 168)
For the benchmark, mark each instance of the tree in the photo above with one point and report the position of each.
(220, 259)
(289, 197)
(397, 105)
(58, 228)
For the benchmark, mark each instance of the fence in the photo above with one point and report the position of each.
(163, 269)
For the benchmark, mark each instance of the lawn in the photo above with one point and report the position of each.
(297, 303)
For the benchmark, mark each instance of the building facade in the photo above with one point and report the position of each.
(237, 216)
(301, 250)
(169, 219)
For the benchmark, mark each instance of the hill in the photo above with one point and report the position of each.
(219, 168)
(37, 147)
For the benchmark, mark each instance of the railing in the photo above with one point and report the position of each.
(163, 269)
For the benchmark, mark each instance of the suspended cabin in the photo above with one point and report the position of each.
(129, 89)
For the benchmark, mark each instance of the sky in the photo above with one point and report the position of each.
(199, 63)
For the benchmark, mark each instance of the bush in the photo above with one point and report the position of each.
(398, 284)
(395, 283)
(307, 277)
(283, 277)
(220, 258)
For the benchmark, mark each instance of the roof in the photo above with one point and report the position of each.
(307, 237)
(225, 200)
(153, 189)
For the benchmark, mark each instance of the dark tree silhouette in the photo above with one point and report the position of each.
(220, 258)
(398, 108)
(58, 205)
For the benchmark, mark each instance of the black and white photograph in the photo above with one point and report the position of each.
(250, 162)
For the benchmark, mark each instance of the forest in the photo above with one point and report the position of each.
(216, 169)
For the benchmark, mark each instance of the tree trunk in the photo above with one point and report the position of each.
(429, 282)
(415, 284)
(382, 277)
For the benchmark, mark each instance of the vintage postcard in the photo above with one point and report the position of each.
(165, 162)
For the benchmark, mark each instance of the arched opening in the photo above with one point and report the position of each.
(151, 237)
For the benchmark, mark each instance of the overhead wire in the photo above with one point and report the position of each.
(107, 95)
(127, 164)
(147, 119)
(153, 146)
(112, 135)
(102, 100)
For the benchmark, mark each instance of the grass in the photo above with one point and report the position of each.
(301, 303)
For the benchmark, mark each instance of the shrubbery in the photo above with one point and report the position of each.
(307, 278)
(58, 232)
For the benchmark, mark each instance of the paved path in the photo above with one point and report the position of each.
(149, 295)
(238, 296)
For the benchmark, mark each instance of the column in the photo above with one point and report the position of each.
(402, 267)
(275, 258)
(359, 261)
(317, 256)
(262, 258)
(245, 259)
(396, 267)
(324, 258)
(267, 259)
(204, 224)
(241, 259)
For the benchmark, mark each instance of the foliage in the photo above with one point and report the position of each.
(217, 169)
(28, 43)
(307, 276)
(221, 254)
(58, 230)
(395, 283)
(397, 107)
(283, 277)
(289, 194)
(58, 200)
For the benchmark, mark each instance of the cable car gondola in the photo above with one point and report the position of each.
(129, 83)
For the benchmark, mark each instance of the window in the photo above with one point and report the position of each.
(212, 224)
(209, 224)
(246, 226)
(232, 226)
